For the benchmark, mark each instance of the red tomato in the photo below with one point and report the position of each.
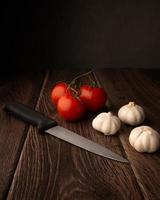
(58, 91)
(70, 108)
(94, 98)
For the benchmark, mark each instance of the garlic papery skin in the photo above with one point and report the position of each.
(107, 123)
(131, 114)
(144, 139)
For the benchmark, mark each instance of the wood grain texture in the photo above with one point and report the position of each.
(52, 169)
(22, 88)
(143, 87)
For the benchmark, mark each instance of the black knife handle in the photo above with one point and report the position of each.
(29, 115)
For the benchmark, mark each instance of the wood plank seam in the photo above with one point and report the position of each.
(143, 193)
(16, 161)
(12, 89)
(27, 129)
(42, 89)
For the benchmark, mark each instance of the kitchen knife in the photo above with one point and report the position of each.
(50, 126)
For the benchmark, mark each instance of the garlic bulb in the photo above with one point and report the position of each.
(144, 139)
(106, 123)
(131, 114)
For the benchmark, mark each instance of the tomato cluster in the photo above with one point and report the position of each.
(72, 104)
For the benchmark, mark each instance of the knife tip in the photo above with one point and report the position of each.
(124, 160)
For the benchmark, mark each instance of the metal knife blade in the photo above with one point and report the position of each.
(84, 143)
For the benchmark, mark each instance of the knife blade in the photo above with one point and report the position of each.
(50, 126)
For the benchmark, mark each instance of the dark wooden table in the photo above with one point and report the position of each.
(36, 166)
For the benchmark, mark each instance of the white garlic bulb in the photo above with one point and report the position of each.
(144, 139)
(131, 114)
(106, 123)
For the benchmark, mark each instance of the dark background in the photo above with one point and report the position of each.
(80, 33)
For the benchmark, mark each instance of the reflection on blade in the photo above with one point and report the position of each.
(84, 143)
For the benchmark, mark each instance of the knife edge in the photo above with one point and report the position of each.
(84, 143)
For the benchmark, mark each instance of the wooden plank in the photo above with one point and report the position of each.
(23, 88)
(143, 87)
(52, 169)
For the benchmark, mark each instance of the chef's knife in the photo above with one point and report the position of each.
(50, 126)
